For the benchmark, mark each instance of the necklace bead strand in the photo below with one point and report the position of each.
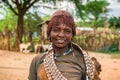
(66, 53)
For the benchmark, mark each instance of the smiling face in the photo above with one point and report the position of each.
(61, 35)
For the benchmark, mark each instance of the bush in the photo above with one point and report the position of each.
(114, 21)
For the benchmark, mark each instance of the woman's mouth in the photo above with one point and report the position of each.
(60, 41)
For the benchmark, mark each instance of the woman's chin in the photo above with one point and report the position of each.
(60, 45)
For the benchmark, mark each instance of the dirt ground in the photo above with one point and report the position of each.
(15, 66)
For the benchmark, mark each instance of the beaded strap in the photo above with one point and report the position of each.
(51, 69)
(89, 67)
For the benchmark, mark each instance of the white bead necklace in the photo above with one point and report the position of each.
(66, 53)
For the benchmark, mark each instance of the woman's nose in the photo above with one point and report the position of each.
(61, 33)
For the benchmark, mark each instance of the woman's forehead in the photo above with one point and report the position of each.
(62, 26)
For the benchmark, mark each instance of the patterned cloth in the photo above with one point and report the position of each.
(53, 73)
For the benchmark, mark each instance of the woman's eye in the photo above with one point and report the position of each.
(68, 31)
(56, 30)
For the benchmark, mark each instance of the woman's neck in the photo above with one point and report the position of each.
(58, 50)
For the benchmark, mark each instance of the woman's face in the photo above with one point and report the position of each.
(61, 35)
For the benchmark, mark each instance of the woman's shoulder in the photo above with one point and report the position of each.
(38, 58)
(39, 55)
(77, 48)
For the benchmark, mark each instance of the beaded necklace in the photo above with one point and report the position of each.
(66, 53)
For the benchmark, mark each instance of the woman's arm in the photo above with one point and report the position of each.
(32, 70)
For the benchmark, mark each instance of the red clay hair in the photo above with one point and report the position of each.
(61, 17)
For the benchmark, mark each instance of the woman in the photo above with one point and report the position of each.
(65, 60)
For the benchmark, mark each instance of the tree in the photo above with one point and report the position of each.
(7, 28)
(19, 7)
(80, 8)
(96, 8)
(31, 21)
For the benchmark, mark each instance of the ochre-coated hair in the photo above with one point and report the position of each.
(61, 17)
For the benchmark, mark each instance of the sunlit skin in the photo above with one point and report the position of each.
(61, 37)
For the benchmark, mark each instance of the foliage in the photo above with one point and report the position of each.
(9, 21)
(99, 23)
(114, 22)
(109, 49)
(95, 9)
(31, 20)
(80, 8)
(19, 8)
(46, 18)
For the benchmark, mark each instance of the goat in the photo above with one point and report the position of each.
(24, 47)
(41, 48)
